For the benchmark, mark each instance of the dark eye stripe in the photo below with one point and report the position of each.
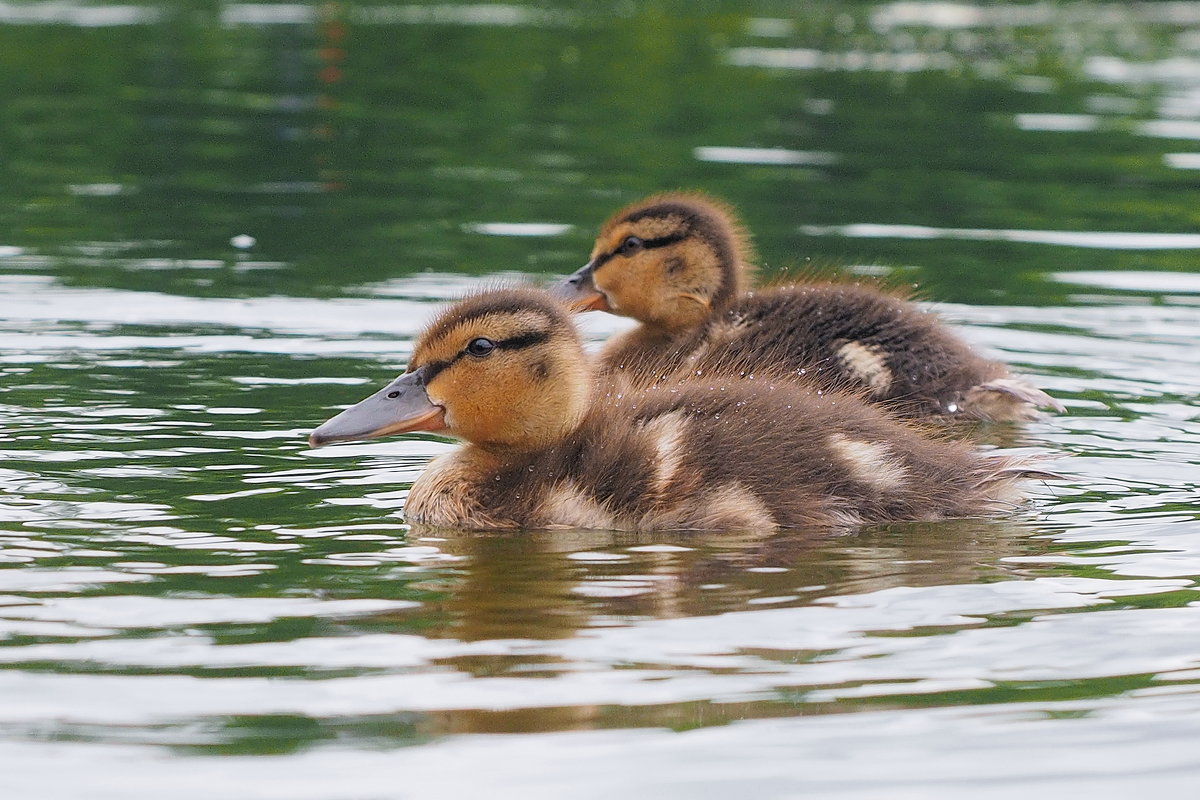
(523, 341)
(434, 368)
(663, 241)
(512, 343)
(647, 244)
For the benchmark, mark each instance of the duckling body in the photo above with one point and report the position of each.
(833, 337)
(702, 458)
(679, 456)
(678, 264)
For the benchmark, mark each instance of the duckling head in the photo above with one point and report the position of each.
(668, 261)
(503, 370)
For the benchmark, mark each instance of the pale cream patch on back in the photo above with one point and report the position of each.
(733, 505)
(666, 436)
(870, 462)
(566, 505)
(867, 364)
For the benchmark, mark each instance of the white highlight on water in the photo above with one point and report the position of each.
(517, 228)
(1101, 240)
(764, 155)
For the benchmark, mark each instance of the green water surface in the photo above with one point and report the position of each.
(220, 222)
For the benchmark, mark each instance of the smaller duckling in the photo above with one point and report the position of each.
(678, 263)
(547, 445)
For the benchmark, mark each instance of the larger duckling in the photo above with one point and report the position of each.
(546, 445)
(678, 263)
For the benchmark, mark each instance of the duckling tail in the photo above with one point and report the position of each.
(1003, 475)
(1003, 399)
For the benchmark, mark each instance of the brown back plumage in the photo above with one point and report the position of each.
(548, 447)
(723, 456)
(832, 337)
(687, 291)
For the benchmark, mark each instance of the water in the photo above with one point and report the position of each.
(221, 222)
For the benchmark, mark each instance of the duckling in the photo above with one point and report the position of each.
(547, 444)
(679, 263)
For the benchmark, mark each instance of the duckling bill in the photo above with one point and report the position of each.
(548, 445)
(680, 263)
(400, 407)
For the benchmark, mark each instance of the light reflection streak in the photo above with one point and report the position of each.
(1057, 122)
(1105, 240)
(764, 155)
(851, 61)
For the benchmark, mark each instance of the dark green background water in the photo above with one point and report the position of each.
(182, 579)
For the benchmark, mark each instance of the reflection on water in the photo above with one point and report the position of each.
(227, 220)
(1104, 240)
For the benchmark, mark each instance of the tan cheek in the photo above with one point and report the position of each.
(632, 287)
(454, 390)
(612, 282)
(438, 391)
(479, 398)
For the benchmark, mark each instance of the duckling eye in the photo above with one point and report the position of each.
(631, 245)
(480, 347)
